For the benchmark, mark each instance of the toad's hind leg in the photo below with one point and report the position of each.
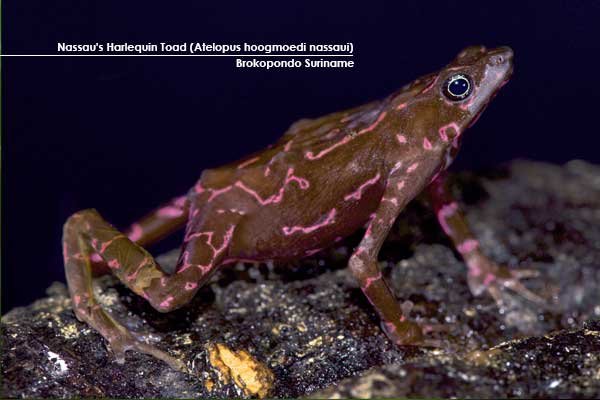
(86, 232)
(160, 223)
(150, 229)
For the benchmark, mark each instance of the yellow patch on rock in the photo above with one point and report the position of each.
(209, 384)
(70, 331)
(482, 358)
(253, 377)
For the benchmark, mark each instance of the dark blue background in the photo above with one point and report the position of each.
(124, 134)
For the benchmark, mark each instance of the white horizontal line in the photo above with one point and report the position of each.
(176, 55)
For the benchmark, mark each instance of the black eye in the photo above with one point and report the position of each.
(458, 87)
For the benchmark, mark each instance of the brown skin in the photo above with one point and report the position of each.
(323, 180)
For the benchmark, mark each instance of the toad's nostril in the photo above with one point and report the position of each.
(498, 59)
(504, 54)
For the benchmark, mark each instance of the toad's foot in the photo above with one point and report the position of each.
(413, 332)
(485, 275)
(120, 339)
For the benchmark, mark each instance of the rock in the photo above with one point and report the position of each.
(306, 329)
(564, 364)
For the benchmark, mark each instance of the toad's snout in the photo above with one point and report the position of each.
(501, 55)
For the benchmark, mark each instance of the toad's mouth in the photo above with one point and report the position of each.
(492, 96)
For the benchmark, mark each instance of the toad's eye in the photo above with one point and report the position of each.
(458, 87)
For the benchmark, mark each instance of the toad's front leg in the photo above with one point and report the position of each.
(484, 274)
(363, 265)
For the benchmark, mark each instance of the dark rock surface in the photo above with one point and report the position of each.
(306, 329)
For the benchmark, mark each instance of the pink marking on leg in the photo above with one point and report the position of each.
(77, 300)
(391, 328)
(370, 280)
(369, 230)
(194, 235)
(114, 264)
(401, 139)
(412, 167)
(248, 162)
(185, 264)
(105, 245)
(474, 268)
(198, 188)
(226, 239)
(445, 212)
(489, 278)
(401, 106)
(369, 225)
(467, 246)
(396, 167)
(392, 200)
(357, 194)
(166, 302)
(205, 268)
(169, 212)
(180, 201)
(163, 281)
(329, 219)
(400, 185)
(136, 233)
(427, 144)
(134, 274)
(95, 257)
(190, 285)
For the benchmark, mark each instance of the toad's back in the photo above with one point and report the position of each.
(319, 182)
